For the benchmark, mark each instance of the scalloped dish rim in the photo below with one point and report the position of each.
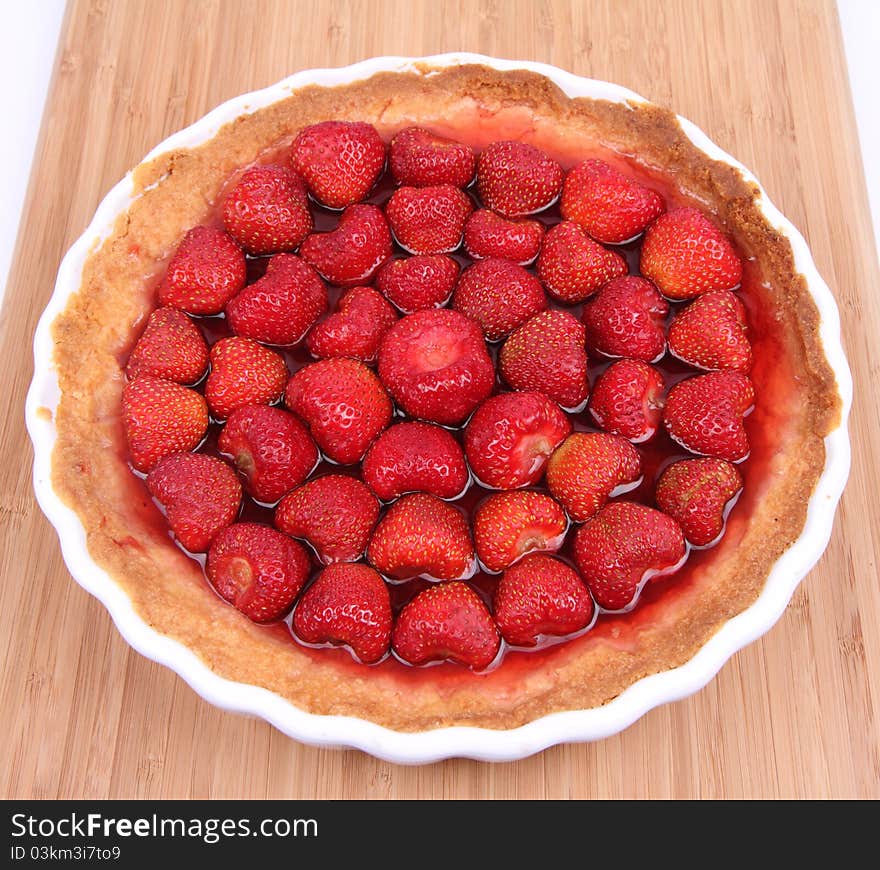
(458, 741)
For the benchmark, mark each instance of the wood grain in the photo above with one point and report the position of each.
(794, 715)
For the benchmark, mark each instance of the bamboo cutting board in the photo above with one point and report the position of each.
(794, 715)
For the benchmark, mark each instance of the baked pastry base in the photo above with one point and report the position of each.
(798, 404)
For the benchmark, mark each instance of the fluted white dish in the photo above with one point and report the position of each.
(426, 746)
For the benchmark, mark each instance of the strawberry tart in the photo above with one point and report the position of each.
(441, 398)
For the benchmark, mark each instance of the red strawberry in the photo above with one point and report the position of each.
(340, 161)
(516, 179)
(587, 468)
(416, 283)
(487, 234)
(622, 547)
(510, 438)
(170, 347)
(508, 525)
(546, 355)
(446, 621)
(200, 496)
(428, 220)
(627, 400)
(159, 418)
(609, 205)
(334, 513)
(499, 295)
(685, 255)
(436, 365)
(243, 373)
(696, 493)
(271, 449)
(347, 604)
(419, 158)
(415, 457)
(711, 333)
(541, 596)
(705, 414)
(422, 536)
(281, 306)
(344, 404)
(205, 272)
(572, 266)
(351, 253)
(257, 570)
(627, 318)
(268, 210)
(355, 329)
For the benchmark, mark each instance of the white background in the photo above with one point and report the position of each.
(26, 66)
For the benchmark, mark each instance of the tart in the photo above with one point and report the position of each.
(259, 291)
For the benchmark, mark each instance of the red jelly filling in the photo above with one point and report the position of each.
(772, 380)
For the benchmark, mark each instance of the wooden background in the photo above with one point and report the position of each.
(794, 715)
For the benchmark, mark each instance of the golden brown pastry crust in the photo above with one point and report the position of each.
(128, 538)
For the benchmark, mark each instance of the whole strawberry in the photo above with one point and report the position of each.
(419, 158)
(160, 417)
(243, 373)
(572, 266)
(350, 605)
(685, 255)
(436, 366)
(340, 161)
(446, 621)
(510, 437)
(428, 220)
(710, 333)
(499, 295)
(516, 179)
(705, 414)
(546, 355)
(355, 329)
(200, 496)
(622, 547)
(612, 207)
(422, 536)
(268, 210)
(627, 400)
(343, 403)
(352, 253)
(416, 283)
(587, 468)
(334, 513)
(257, 570)
(696, 493)
(508, 525)
(415, 457)
(171, 347)
(541, 596)
(627, 318)
(487, 234)
(271, 449)
(280, 307)
(204, 273)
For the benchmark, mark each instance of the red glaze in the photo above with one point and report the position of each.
(774, 382)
